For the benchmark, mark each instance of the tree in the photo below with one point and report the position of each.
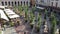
(53, 22)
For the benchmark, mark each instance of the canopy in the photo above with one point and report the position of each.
(10, 13)
(2, 7)
(3, 16)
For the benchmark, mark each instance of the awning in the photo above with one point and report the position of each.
(11, 14)
(3, 16)
(40, 7)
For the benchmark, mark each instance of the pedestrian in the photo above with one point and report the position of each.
(24, 32)
(15, 24)
(18, 23)
(4, 27)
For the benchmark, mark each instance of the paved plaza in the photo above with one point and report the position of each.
(10, 31)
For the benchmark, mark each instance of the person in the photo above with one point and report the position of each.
(4, 27)
(18, 23)
(15, 24)
(24, 32)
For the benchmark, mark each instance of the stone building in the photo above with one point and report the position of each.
(14, 2)
(55, 3)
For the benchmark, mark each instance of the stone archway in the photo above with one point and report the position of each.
(9, 3)
(15, 3)
(24, 3)
(2, 3)
(5, 2)
(18, 3)
(12, 3)
(21, 3)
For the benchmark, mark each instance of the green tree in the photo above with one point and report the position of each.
(54, 23)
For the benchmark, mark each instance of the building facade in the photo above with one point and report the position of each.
(14, 2)
(55, 3)
(43, 2)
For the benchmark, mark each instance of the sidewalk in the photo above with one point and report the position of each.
(10, 31)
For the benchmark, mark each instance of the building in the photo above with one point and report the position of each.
(14, 2)
(32, 2)
(55, 3)
(43, 2)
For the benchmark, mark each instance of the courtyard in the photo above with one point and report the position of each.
(29, 20)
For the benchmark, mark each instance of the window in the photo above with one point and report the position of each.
(56, 4)
(24, 2)
(15, 3)
(51, 3)
(9, 3)
(42, 0)
(5, 3)
(2, 3)
(52, 0)
(27, 2)
(12, 3)
(57, 0)
(21, 2)
(18, 3)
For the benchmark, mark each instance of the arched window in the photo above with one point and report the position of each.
(18, 3)
(15, 3)
(51, 3)
(9, 3)
(24, 2)
(56, 4)
(5, 3)
(12, 3)
(2, 3)
(27, 2)
(21, 2)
